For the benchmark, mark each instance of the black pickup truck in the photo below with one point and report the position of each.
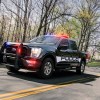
(44, 54)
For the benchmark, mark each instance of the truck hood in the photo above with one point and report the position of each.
(47, 47)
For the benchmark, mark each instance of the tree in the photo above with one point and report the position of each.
(51, 10)
(22, 12)
(46, 10)
(3, 28)
(70, 27)
(88, 16)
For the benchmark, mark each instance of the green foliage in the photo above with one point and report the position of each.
(71, 27)
(94, 64)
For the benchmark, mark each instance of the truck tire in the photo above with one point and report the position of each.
(12, 69)
(81, 68)
(1, 58)
(46, 69)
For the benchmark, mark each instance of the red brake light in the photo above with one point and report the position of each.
(88, 56)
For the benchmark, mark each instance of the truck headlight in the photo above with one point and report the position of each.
(35, 52)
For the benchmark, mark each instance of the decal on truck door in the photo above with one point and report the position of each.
(68, 59)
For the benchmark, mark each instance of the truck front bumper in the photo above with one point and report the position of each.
(31, 63)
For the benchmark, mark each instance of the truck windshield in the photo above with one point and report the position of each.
(45, 39)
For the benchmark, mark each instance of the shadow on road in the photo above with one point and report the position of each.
(58, 77)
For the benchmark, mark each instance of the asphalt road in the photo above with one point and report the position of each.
(64, 85)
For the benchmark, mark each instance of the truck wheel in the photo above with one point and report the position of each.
(46, 69)
(81, 68)
(12, 69)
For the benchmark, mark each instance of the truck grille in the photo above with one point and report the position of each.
(11, 49)
(11, 55)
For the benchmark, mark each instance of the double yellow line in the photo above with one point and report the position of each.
(32, 91)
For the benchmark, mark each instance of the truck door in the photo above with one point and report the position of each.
(74, 53)
(63, 54)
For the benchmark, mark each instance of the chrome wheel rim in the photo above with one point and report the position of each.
(47, 68)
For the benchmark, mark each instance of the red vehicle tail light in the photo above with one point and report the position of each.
(88, 56)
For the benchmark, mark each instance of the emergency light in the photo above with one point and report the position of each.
(6, 44)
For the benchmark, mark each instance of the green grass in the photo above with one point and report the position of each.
(93, 64)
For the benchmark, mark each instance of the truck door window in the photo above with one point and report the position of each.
(73, 45)
(64, 42)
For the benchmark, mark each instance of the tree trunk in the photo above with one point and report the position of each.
(25, 20)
